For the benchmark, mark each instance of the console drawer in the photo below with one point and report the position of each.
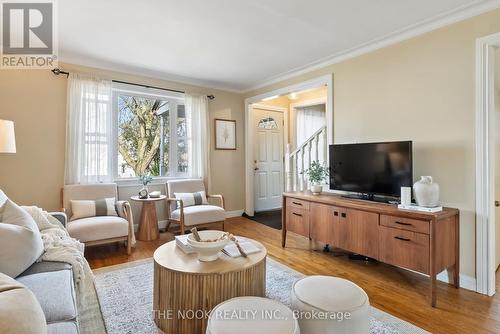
(297, 220)
(297, 203)
(415, 225)
(404, 249)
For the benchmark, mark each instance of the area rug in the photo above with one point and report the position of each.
(125, 293)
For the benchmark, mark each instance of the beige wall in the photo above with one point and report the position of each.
(36, 101)
(421, 89)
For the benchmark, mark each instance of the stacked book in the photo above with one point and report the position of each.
(420, 208)
(247, 246)
(181, 242)
(230, 250)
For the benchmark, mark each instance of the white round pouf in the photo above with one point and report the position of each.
(252, 315)
(330, 305)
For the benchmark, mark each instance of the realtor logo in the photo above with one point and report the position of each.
(28, 32)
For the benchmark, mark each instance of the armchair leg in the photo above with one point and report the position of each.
(129, 246)
(168, 225)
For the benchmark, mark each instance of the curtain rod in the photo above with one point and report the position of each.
(58, 71)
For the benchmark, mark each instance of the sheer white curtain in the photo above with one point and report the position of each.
(89, 130)
(309, 120)
(198, 130)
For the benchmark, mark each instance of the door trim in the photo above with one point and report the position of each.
(326, 80)
(283, 110)
(484, 136)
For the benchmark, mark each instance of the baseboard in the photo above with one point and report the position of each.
(163, 223)
(236, 213)
(466, 282)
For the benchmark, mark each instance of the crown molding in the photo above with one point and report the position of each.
(148, 73)
(420, 28)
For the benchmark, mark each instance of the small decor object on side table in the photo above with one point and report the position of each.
(145, 180)
(317, 173)
(426, 192)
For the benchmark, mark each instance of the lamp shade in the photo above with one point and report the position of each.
(7, 137)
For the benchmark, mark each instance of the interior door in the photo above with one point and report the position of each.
(268, 159)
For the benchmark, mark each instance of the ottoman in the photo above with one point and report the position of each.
(330, 305)
(251, 315)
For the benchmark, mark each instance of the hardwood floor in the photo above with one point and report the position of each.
(396, 291)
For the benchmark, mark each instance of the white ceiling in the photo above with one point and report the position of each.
(236, 44)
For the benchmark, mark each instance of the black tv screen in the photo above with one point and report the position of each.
(371, 168)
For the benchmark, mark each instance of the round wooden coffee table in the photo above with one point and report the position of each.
(186, 290)
(148, 226)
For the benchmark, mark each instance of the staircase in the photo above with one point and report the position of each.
(296, 162)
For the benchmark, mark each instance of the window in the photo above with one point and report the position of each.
(267, 123)
(151, 133)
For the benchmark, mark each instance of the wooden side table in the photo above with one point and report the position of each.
(186, 290)
(148, 226)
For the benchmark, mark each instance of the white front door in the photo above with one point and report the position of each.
(268, 159)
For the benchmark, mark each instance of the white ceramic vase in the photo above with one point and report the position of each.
(426, 192)
(316, 189)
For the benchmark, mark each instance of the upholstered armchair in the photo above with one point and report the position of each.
(99, 230)
(194, 215)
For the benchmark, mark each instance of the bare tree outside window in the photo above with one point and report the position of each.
(139, 135)
(152, 136)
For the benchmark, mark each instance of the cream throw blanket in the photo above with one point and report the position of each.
(60, 247)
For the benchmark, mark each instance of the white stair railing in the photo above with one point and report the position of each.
(296, 162)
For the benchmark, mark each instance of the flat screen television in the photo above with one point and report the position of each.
(371, 168)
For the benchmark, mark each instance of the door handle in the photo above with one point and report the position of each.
(402, 239)
(344, 214)
(297, 214)
(256, 168)
(497, 203)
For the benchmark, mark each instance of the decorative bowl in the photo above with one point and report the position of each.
(208, 250)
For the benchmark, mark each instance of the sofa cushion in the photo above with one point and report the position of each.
(20, 311)
(20, 241)
(45, 266)
(55, 293)
(200, 214)
(98, 228)
(66, 327)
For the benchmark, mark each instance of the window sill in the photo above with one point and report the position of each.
(158, 180)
